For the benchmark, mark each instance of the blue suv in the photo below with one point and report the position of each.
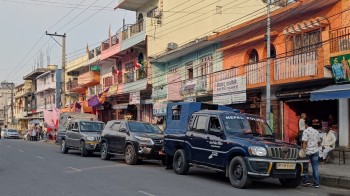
(224, 140)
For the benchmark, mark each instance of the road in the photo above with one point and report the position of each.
(39, 168)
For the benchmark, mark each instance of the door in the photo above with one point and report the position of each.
(197, 139)
(76, 135)
(120, 139)
(111, 137)
(69, 135)
(216, 143)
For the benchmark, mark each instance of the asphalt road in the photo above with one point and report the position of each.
(39, 168)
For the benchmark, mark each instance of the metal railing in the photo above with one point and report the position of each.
(296, 66)
(131, 30)
(340, 39)
(135, 75)
(255, 73)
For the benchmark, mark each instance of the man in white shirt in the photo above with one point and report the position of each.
(328, 144)
(302, 127)
(310, 145)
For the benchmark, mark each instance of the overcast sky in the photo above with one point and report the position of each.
(23, 22)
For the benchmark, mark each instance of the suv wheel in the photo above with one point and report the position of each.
(180, 164)
(64, 148)
(104, 152)
(130, 155)
(238, 173)
(83, 151)
(290, 182)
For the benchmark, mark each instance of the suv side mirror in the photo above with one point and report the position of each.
(216, 132)
(75, 130)
(123, 131)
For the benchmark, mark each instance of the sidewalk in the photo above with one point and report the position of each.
(335, 175)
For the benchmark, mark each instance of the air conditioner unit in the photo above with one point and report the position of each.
(157, 13)
(172, 46)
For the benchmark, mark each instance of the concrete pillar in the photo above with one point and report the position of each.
(343, 109)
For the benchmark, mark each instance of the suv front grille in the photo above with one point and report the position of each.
(158, 141)
(283, 153)
(98, 138)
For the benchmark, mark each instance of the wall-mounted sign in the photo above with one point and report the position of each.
(134, 98)
(230, 91)
(341, 68)
(159, 109)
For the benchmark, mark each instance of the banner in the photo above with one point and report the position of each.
(230, 91)
(340, 68)
(159, 109)
(134, 98)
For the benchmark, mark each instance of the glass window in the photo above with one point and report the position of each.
(253, 57)
(176, 112)
(201, 124)
(235, 123)
(91, 126)
(138, 127)
(214, 123)
(115, 126)
(259, 126)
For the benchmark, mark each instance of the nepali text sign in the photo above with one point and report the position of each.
(159, 109)
(134, 98)
(230, 91)
(341, 68)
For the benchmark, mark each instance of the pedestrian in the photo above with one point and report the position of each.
(302, 127)
(33, 136)
(311, 143)
(328, 144)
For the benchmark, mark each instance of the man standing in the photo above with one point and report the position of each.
(328, 144)
(310, 145)
(302, 127)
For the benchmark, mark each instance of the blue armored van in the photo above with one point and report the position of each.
(224, 140)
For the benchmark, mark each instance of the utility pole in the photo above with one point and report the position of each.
(63, 45)
(11, 86)
(268, 48)
(70, 87)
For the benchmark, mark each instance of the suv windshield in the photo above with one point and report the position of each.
(235, 123)
(12, 131)
(139, 127)
(91, 126)
(259, 125)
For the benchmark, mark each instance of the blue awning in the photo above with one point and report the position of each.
(340, 91)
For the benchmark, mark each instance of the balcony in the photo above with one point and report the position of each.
(90, 78)
(256, 73)
(198, 84)
(340, 40)
(135, 75)
(132, 5)
(296, 66)
(111, 46)
(131, 30)
(49, 85)
(75, 87)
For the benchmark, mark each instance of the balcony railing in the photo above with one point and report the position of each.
(73, 85)
(198, 84)
(89, 78)
(296, 66)
(105, 44)
(256, 73)
(134, 75)
(340, 39)
(131, 30)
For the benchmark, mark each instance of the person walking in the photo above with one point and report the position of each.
(33, 138)
(302, 127)
(311, 142)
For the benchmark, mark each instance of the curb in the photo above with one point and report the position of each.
(334, 181)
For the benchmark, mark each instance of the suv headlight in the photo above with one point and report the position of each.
(144, 140)
(90, 138)
(257, 151)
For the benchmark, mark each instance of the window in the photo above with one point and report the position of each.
(189, 68)
(52, 77)
(53, 99)
(214, 123)
(253, 57)
(306, 42)
(206, 66)
(200, 125)
(176, 112)
(173, 69)
(129, 72)
(115, 126)
(123, 126)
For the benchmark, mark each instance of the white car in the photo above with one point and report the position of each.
(11, 133)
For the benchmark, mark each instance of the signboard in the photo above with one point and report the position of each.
(159, 109)
(230, 91)
(120, 106)
(341, 68)
(134, 98)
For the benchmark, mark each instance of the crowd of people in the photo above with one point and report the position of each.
(317, 144)
(37, 133)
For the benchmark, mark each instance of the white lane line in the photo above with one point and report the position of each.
(75, 169)
(39, 157)
(100, 167)
(145, 193)
(20, 150)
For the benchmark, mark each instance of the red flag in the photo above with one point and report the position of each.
(137, 65)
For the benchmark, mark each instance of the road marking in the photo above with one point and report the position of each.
(75, 169)
(20, 150)
(39, 157)
(100, 167)
(144, 192)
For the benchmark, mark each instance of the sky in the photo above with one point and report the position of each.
(24, 23)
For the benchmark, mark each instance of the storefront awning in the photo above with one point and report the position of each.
(331, 92)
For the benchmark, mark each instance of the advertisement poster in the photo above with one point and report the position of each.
(340, 68)
(230, 91)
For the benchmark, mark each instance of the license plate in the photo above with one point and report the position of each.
(285, 166)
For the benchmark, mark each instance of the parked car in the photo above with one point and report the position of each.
(240, 145)
(11, 133)
(135, 140)
(82, 135)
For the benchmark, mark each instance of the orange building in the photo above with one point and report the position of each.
(305, 36)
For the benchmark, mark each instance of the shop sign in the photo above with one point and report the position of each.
(341, 68)
(120, 107)
(190, 99)
(230, 91)
(159, 109)
(134, 98)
